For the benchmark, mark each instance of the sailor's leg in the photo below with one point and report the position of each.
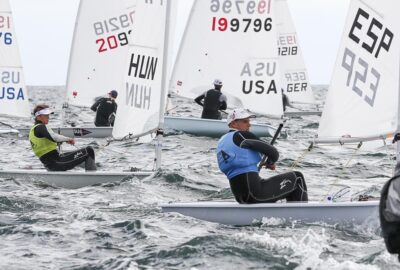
(69, 160)
(289, 185)
(90, 164)
(299, 194)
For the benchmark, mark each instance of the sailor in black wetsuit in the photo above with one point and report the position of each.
(285, 101)
(44, 144)
(214, 101)
(238, 153)
(389, 210)
(105, 109)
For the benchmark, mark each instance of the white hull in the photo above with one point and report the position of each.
(191, 125)
(72, 179)
(83, 132)
(302, 113)
(7, 131)
(232, 213)
(211, 128)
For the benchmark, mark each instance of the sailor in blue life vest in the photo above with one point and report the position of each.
(44, 144)
(214, 101)
(105, 109)
(238, 154)
(389, 210)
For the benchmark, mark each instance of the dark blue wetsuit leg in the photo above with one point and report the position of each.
(250, 188)
(207, 114)
(69, 160)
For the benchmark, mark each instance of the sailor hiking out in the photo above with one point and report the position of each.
(44, 144)
(238, 153)
(214, 101)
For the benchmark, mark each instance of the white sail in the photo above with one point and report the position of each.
(139, 108)
(293, 71)
(13, 93)
(231, 43)
(99, 48)
(363, 95)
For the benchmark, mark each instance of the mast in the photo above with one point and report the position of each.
(163, 86)
(66, 98)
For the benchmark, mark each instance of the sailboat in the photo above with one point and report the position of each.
(295, 81)
(224, 44)
(101, 33)
(362, 104)
(137, 121)
(96, 64)
(13, 93)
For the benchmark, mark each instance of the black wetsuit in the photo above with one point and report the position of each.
(214, 101)
(285, 101)
(104, 108)
(251, 188)
(390, 218)
(54, 161)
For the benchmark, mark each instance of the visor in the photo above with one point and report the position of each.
(45, 111)
(238, 114)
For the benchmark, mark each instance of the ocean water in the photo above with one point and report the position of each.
(121, 226)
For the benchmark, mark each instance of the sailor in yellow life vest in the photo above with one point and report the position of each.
(44, 144)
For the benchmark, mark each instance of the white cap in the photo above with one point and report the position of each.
(239, 114)
(217, 82)
(45, 111)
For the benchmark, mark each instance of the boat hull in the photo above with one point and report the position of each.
(302, 113)
(211, 128)
(190, 125)
(8, 131)
(72, 179)
(232, 213)
(83, 132)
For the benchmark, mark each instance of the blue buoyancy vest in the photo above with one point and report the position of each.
(233, 160)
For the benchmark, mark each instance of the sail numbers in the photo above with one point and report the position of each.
(112, 42)
(368, 32)
(240, 7)
(113, 26)
(6, 38)
(5, 22)
(287, 45)
(245, 25)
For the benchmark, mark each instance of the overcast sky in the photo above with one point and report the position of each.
(45, 29)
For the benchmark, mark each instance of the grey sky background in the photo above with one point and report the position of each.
(45, 29)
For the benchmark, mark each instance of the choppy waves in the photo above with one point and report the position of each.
(121, 226)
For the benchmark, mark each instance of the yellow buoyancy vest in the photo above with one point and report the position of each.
(41, 146)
